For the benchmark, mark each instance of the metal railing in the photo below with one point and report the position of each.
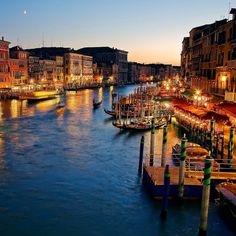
(221, 168)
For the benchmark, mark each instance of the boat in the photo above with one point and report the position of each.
(195, 156)
(227, 197)
(138, 125)
(96, 104)
(110, 112)
(60, 105)
(40, 95)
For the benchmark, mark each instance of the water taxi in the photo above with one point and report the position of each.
(40, 95)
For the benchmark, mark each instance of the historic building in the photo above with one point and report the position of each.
(18, 66)
(208, 57)
(111, 63)
(5, 81)
(61, 66)
(47, 72)
(34, 69)
(59, 73)
(138, 72)
(78, 69)
(42, 71)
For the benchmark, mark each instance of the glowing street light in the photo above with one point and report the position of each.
(198, 92)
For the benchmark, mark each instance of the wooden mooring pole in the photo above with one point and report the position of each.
(182, 167)
(217, 146)
(212, 134)
(152, 143)
(222, 146)
(164, 206)
(231, 146)
(205, 198)
(164, 147)
(140, 166)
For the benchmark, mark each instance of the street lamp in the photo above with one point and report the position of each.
(197, 96)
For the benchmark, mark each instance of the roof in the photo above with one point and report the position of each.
(94, 50)
(202, 114)
(228, 107)
(232, 11)
(47, 52)
(16, 48)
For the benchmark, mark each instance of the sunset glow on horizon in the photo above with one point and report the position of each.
(150, 30)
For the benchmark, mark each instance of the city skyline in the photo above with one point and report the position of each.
(143, 28)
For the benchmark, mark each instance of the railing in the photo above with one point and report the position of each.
(230, 96)
(221, 168)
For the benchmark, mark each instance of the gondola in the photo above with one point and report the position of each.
(60, 105)
(195, 156)
(226, 191)
(96, 104)
(138, 126)
(109, 112)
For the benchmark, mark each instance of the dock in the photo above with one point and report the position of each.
(153, 178)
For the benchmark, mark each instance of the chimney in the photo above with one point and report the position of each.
(2, 38)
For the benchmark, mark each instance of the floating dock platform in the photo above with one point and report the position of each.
(153, 178)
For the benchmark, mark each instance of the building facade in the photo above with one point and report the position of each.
(5, 81)
(78, 69)
(138, 72)
(209, 58)
(18, 66)
(111, 63)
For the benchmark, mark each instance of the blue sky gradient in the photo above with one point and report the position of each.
(151, 30)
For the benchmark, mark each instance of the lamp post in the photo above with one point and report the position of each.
(197, 97)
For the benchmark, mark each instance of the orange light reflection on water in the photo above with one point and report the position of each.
(45, 106)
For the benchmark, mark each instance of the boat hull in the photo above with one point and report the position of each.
(40, 96)
(137, 127)
(97, 104)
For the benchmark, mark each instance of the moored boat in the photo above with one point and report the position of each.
(109, 112)
(227, 194)
(195, 156)
(96, 104)
(138, 125)
(40, 95)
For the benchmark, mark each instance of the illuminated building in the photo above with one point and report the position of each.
(5, 81)
(78, 69)
(209, 58)
(18, 66)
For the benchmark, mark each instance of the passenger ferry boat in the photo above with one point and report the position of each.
(40, 95)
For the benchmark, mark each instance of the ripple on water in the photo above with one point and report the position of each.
(75, 174)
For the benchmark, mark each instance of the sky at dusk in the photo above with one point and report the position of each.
(150, 30)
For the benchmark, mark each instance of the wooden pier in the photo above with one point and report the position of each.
(153, 178)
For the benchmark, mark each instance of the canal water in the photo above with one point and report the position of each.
(70, 172)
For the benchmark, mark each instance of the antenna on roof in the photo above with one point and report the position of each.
(43, 40)
(229, 10)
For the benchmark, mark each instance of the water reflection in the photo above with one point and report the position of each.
(45, 106)
(70, 173)
(2, 152)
